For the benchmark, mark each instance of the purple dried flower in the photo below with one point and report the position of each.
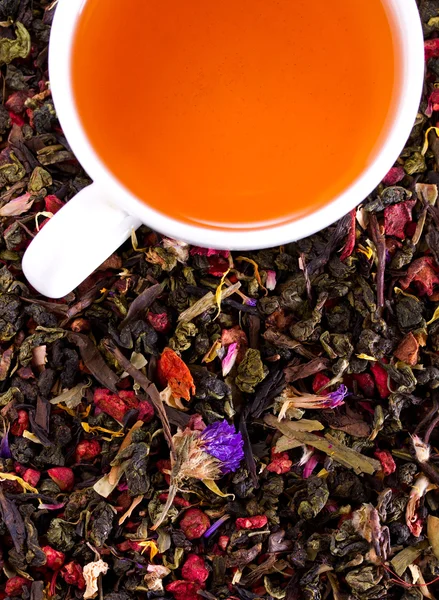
(216, 525)
(5, 451)
(312, 401)
(251, 301)
(221, 441)
(338, 396)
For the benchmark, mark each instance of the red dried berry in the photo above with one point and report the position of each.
(431, 48)
(32, 477)
(194, 523)
(52, 203)
(54, 558)
(159, 321)
(388, 465)
(20, 424)
(14, 585)
(380, 376)
(194, 569)
(87, 450)
(280, 462)
(318, 382)
(72, 574)
(255, 522)
(184, 590)
(366, 383)
(63, 477)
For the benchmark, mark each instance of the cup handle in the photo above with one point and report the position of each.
(75, 242)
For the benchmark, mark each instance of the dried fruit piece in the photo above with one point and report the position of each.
(184, 590)
(63, 477)
(194, 569)
(14, 585)
(54, 558)
(87, 450)
(255, 522)
(194, 523)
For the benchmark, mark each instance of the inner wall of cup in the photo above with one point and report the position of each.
(399, 24)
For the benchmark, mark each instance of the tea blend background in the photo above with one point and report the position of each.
(194, 423)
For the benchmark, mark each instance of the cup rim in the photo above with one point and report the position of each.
(408, 98)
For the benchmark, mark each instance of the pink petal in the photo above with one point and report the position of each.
(18, 206)
(230, 358)
(270, 284)
(310, 466)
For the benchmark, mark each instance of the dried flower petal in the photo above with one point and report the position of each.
(91, 573)
(72, 574)
(422, 272)
(230, 358)
(397, 217)
(172, 371)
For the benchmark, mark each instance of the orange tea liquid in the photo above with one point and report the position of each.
(234, 111)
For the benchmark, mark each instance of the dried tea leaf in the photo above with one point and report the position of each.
(141, 303)
(73, 397)
(406, 557)
(206, 302)
(16, 48)
(93, 360)
(433, 533)
(345, 456)
(13, 520)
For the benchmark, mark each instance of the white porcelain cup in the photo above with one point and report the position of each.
(96, 221)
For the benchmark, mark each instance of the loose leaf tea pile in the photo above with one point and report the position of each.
(192, 423)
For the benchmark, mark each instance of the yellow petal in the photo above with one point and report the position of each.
(86, 427)
(366, 357)
(425, 146)
(26, 486)
(209, 483)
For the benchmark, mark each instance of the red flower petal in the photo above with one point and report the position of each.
(396, 218)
